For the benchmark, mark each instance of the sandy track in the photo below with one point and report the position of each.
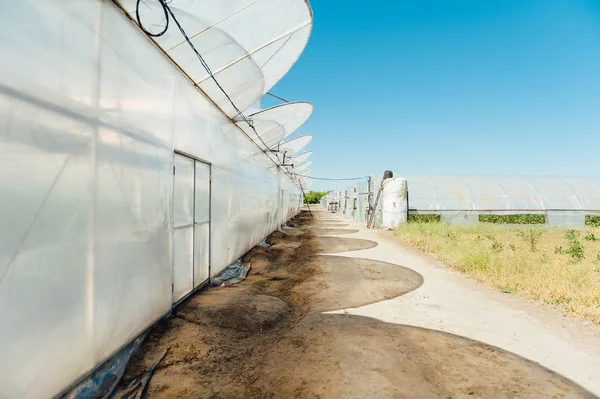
(268, 337)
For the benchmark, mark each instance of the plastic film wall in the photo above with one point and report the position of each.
(564, 201)
(92, 115)
(357, 201)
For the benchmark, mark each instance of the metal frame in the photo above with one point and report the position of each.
(173, 228)
(265, 151)
(193, 225)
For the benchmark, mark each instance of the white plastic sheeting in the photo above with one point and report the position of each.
(375, 181)
(298, 159)
(248, 44)
(276, 123)
(302, 169)
(92, 114)
(362, 198)
(565, 201)
(183, 226)
(394, 205)
(201, 223)
(306, 182)
(503, 193)
(293, 146)
(358, 201)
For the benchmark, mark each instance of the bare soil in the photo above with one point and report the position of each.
(266, 337)
(346, 356)
(327, 225)
(331, 245)
(330, 231)
(351, 282)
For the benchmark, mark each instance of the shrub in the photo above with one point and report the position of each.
(576, 251)
(424, 218)
(313, 197)
(592, 220)
(520, 218)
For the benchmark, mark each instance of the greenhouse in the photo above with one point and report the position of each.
(131, 172)
(554, 201)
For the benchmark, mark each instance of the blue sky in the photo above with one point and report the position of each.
(457, 87)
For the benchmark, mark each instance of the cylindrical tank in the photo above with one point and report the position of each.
(394, 203)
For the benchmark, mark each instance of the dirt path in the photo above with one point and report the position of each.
(268, 336)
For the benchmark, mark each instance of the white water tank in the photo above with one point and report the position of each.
(394, 203)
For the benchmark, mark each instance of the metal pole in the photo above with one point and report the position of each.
(305, 200)
(372, 216)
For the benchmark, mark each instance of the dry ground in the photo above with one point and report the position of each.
(267, 336)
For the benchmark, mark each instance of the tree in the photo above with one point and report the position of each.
(314, 197)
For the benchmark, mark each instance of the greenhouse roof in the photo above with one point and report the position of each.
(248, 44)
(502, 193)
(276, 123)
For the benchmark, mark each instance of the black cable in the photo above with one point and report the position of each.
(330, 178)
(139, 20)
(169, 13)
(277, 97)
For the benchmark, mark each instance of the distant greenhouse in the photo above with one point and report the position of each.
(555, 201)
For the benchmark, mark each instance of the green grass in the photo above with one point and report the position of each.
(556, 266)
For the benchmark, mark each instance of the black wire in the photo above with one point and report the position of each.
(330, 178)
(139, 20)
(277, 97)
(169, 13)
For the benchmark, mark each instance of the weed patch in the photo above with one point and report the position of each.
(555, 266)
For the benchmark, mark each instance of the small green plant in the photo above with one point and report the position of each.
(497, 246)
(452, 236)
(575, 251)
(597, 262)
(591, 237)
(559, 250)
(572, 234)
(513, 247)
(531, 237)
(510, 290)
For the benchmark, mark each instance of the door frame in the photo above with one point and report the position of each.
(209, 164)
(203, 283)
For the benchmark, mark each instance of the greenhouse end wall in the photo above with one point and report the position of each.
(93, 114)
(561, 201)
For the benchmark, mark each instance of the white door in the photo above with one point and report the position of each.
(183, 226)
(202, 224)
